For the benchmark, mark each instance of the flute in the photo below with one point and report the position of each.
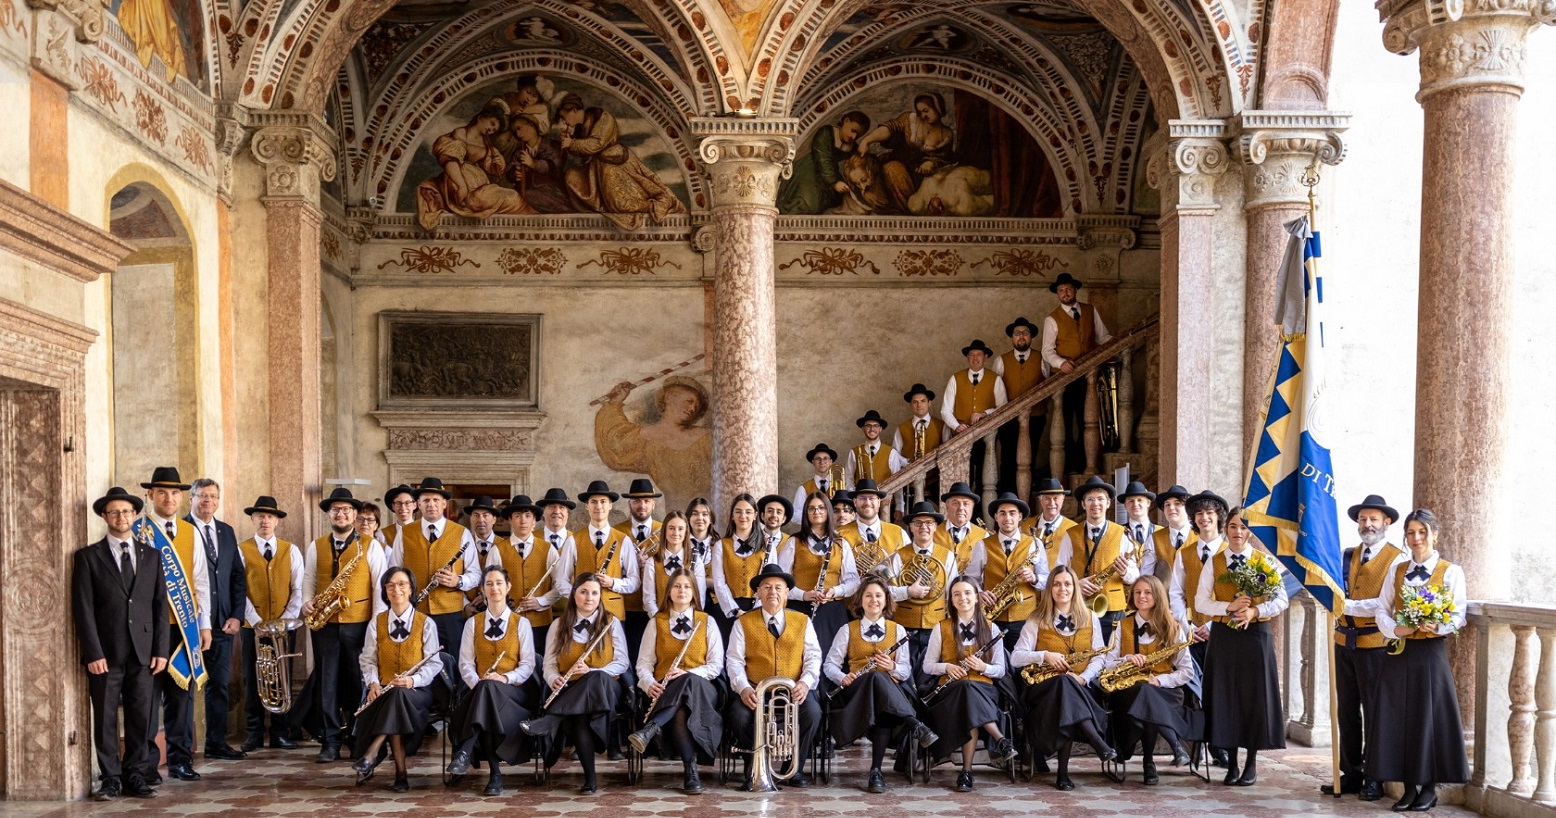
(568, 677)
(673, 666)
(409, 672)
(493, 668)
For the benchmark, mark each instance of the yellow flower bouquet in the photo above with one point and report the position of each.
(1257, 578)
(1421, 605)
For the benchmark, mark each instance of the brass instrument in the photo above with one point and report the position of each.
(1099, 604)
(1039, 673)
(1127, 675)
(869, 556)
(871, 668)
(864, 466)
(411, 671)
(272, 671)
(777, 734)
(999, 634)
(651, 546)
(567, 678)
(333, 599)
(1008, 591)
(923, 568)
(834, 479)
(1107, 397)
(433, 582)
(919, 435)
(675, 665)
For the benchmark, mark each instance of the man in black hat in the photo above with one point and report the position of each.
(868, 526)
(556, 511)
(1096, 545)
(442, 552)
(273, 586)
(971, 394)
(1209, 513)
(922, 432)
(1069, 332)
(1139, 531)
(1049, 526)
(401, 501)
(872, 459)
(959, 533)
(530, 560)
(771, 640)
(642, 498)
(843, 513)
(773, 512)
(919, 608)
(827, 477)
(166, 492)
(1009, 551)
(482, 516)
(1021, 369)
(228, 596)
(337, 645)
(1358, 643)
(120, 607)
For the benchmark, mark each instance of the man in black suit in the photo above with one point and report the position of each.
(229, 591)
(120, 608)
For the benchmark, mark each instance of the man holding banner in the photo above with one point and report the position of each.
(189, 603)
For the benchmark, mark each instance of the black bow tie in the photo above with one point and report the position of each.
(582, 626)
(484, 546)
(1419, 572)
(820, 548)
(681, 627)
(874, 632)
(968, 634)
(399, 632)
(1064, 623)
(1237, 560)
(494, 629)
(672, 563)
(1145, 629)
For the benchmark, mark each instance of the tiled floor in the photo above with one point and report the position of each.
(277, 783)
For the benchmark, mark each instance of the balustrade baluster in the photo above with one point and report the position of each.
(1023, 455)
(991, 468)
(1126, 403)
(1520, 725)
(1093, 433)
(1545, 718)
(1056, 433)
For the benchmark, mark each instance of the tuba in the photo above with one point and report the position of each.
(334, 599)
(777, 734)
(272, 671)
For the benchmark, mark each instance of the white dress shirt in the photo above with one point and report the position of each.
(735, 655)
(626, 555)
(1051, 356)
(1026, 653)
(648, 656)
(948, 400)
(294, 602)
(1177, 593)
(848, 573)
(1453, 579)
(201, 581)
(931, 439)
(554, 636)
(689, 561)
(836, 664)
(476, 628)
(429, 647)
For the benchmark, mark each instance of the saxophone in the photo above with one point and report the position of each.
(333, 599)
(1127, 675)
(1008, 591)
(1036, 674)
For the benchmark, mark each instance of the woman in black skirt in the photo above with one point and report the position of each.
(679, 663)
(586, 653)
(1417, 738)
(496, 657)
(965, 656)
(1154, 706)
(1062, 709)
(869, 664)
(814, 549)
(398, 702)
(1242, 695)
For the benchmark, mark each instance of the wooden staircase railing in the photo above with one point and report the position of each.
(952, 458)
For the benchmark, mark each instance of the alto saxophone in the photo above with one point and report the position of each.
(1036, 674)
(1127, 675)
(333, 599)
(1008, 591)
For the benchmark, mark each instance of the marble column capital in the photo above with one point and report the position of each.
(745, 158)
(1186, 170)
(1465, 43)
(1277, 149)
(298, 152)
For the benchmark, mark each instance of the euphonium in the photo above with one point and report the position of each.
(333, 599)
(1127, 675)
(777, 734)
(273, 677)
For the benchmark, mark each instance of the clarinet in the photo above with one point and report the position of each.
(673, 666)
(821, 578)
(945, 680)
(432, 583)
(872, 668)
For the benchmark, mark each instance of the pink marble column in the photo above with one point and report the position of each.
(1471, 61)
(745, 160)
(296, 157)
(1277, 148)
(1186, 175)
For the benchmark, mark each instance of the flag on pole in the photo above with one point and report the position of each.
(1290, 503)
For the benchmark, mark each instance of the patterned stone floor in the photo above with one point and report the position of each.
(277, 783)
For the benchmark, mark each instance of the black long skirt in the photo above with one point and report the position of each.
(1242, 693)
(1417, 737)
(1057, 708)
(873, 700)
(593, 694)
(964, 705)
(398, 711)
(700, 697)
(1146, 705)
(828, 619)
(494, 710)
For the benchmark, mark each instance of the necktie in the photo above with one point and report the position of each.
(968, 634)
(1048, 530)
(1076, 314)
(269, 553)
(870, 535)
(556, 540)
(1204, 553)
(975, 378)
(682, 627)
(1177, 540)
(432, 534)
(1237, 561)
(1064, 623)
(872, 451)
(772, 626)
(172, 531)
(523, 549)
(642, 534)
(923, 552)
(1419, 572)
(1366, 554)
(126, 568)
(1010, 545)
(957, 534)
(599, 540)
(1095, 534)
(210, 545)
(582, 626)
(494, 629)
(1139, 533)
(399, 632)
(875, 631)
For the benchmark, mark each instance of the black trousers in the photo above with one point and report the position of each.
(1356, 678)
(336, 651)
(255, 713)
(1074, 426)
(218, 695)
(451, 629)
(177, 713)
(130, 687)
(741, 720)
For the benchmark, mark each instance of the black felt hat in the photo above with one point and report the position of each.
(165, 477)
(1064, 278)
(116, 493)
(432, 485)
(642, 488)
(556, 497)
(867, 486)
(1051, 485)
(925, 509)
(521, 502)
(1374, 501)
(1173, 492)
(1137, 489)
(769, 571)
(961, 489)
(1094, 483)
(869, 416)
(843, 496)
(341, 494)
(1010, 499)
(1010, 329)
(598, 488)
(483, 503)
(788, 507)
(819, 448)
(918, 389)
(396, 492)
(265, 504)
(977, 344)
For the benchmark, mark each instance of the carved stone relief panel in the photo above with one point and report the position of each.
(447, 360)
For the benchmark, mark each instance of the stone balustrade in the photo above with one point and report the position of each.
(1515, 698)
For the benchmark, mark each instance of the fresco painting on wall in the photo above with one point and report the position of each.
(670, 441)
(921, 151)
(541, 145)
(170, 30)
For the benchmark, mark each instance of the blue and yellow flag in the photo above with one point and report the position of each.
(1290, 502)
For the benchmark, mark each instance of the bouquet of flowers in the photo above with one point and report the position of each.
(1257, 578)
(1422, 605)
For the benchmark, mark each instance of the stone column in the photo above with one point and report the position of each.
(745, 160)
(298, 153)
(1472, 61)
(1276, 148)
(1186, 175)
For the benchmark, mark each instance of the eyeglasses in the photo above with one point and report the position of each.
(127, 512)
(397, 584)
(343, 510)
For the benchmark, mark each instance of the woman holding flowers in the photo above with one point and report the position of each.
(1417, 737)
(1241, 592)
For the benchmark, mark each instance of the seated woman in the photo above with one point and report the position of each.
(496, 657)
(592, 647)
(399, 661)
(678, 667)
(964, 700)
(869, 664)
(1154, 705)
(1059, 651)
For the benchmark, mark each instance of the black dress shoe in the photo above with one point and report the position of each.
(282, 743)
(327, 753)
(799, 781)
(108, 791)
(224, 752)
(1371, 791)
(1106, 753)
(493, 785)
(964, 782)
(364, 765)
(1180, 756)
(155, 779)
(925, 737)
(401, 784)
(1348, 785)
(1064, 784)
(1403, 804)
(876, 782)
(136, 787)
(1149, 772)
(613, 754)
(692, 783)
(1232, 774)
(590, 787)
(1248, 778)
(460, 764)
(1425, 799)
(251, 743)
(1004, 750)
(183, 772)
(1218, 757)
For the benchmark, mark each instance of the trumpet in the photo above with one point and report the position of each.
(272, 671)
(411, 671)
(568, 677)
(777, 728)
(1127, 675)
(871, 668)
(333, 600)
(673, 667)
